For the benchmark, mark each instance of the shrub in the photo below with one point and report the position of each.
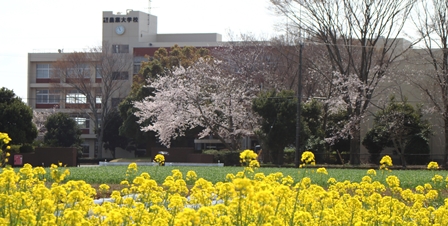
(14, 148)
(229, 158)
(26, 148)
(417, 151)
(289, 155)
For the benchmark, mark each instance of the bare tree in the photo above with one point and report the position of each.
(317, 76)
(361, 38)
(93, 80)
(431, 23)
(250, 58)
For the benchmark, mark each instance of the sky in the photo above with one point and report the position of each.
(48, 25)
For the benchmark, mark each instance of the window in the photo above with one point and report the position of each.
(99, 120)
(45, 96)
(83, 123)
(85, 150)
(120, 48)
(75, 97)
(98, 95)
(43, 70)
(81, 71)
(136, 68)
(98, 72)
(120, 75)
(98, 99)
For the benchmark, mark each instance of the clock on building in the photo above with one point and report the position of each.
(119, 30)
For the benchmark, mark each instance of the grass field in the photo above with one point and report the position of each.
(115, 174)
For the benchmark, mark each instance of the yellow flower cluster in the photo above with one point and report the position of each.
(191, 176)
(385, 162)
(4, 141)
(322, 171)
(58, 175)
(247, 156)
(433, 166)
(4, 138)
(257, 199)
(131, 172)
(160, 159)
(307, 159)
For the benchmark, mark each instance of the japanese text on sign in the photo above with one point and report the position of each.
(120, 19)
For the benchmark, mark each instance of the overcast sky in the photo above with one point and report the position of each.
(48, 25)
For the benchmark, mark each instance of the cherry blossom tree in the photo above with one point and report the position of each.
(204, 96)
(163, 61)
(39, 119)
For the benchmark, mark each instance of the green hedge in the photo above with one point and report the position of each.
(229, 158)
(26, 148)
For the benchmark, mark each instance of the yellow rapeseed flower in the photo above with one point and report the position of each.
(132, 166)
(307, 157)
(254, 164)
(104, 187)
(273, 199)
(247, 156)
(371, 172)
(4, 138)
(322, 171)
(433, 166)
(160, 159)
(331, 181)
(385, 162)
(393, 181)
(191, 176)
(437, 178)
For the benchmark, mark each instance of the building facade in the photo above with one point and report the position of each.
(133, 33)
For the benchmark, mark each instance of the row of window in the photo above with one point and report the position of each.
(47, 71)
(45, 96)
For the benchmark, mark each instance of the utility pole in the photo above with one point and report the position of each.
(299, 108)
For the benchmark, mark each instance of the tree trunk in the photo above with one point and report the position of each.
(100, 145)
(400, 150)
(280, 159)
(355, 147)
(149, 144)
(445, 153)
(403, 159)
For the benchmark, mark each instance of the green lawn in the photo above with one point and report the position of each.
(115, 174)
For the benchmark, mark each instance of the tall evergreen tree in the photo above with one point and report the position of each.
(16, 118)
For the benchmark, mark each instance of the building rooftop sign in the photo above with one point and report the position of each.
(120, 19)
